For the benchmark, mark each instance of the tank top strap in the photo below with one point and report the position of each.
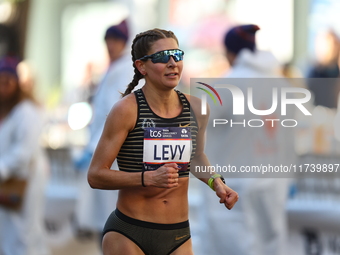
(183, 99)
(141, 100)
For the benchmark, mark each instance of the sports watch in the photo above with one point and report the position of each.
(212, 179)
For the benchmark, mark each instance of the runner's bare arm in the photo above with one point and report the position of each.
(120, 121)
(227, 196)
(200, 159)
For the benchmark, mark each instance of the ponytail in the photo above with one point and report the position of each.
(134, 82)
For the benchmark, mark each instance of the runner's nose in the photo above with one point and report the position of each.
(172, 62)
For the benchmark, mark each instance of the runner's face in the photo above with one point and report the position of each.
(163, 75)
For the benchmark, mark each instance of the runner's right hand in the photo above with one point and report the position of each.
(165, 176)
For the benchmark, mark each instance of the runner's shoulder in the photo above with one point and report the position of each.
(124, 110)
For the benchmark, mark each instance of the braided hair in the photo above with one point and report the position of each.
(141, 45)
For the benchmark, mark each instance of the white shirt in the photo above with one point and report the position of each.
(22, 233)
(257, 224)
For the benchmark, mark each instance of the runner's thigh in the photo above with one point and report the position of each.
(117, 244)
(184, 249)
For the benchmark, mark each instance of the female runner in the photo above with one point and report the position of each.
(155, 138)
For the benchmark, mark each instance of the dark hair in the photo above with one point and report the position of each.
(119, 31)
(141, 45)
(241, 37)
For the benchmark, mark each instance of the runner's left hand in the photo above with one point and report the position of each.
(227, 196)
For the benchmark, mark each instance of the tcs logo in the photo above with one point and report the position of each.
(155, 133)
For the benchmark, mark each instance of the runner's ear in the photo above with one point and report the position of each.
(140, 65)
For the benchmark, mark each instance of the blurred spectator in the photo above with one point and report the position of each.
(326, 91)
(94, 206)
(21, 232)
(257, 223)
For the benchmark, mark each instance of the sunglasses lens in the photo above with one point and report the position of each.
(164, 56)
(161, 59)
(177, 55)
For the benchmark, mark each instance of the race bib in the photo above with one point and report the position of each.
(166, 145)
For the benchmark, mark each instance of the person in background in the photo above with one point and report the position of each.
(94, 206)
(326, 88)
(21, 121)
(257, 225)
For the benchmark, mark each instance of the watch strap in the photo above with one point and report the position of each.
(212, 179)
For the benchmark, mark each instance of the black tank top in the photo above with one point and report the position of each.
(130, 156)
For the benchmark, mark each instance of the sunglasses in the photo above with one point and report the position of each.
(164, 56)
